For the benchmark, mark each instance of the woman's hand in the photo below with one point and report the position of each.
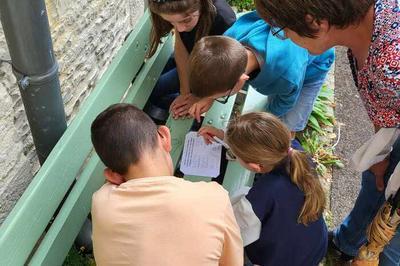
(209, 132)
(200, 107)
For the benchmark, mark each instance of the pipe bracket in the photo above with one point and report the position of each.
(24, 80)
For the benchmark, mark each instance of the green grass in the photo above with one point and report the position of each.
(242, 5)
(77, 258)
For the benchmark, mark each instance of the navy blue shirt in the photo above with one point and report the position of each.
(277, 202)
(224, 18)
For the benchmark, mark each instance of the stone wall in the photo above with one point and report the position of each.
(86, 35)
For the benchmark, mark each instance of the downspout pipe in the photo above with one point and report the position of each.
(26, 28)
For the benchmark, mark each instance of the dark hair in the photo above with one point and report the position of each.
(292, 13)
(120, 134)
(215, 65)
(162, 28)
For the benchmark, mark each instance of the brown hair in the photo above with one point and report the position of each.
(262, 138)
(292, 13)
(120, 134)
(162, 28)
(215, 65)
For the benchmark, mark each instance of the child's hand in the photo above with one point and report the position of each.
(200, 107)
(180, 106)
(208, 132)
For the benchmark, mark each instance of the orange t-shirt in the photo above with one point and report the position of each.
(165, 221)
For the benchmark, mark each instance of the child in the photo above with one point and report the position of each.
(145, 216)
(190, 20)
(252, 50)
(281, 216)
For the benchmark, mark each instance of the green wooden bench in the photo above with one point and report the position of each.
(42, 227)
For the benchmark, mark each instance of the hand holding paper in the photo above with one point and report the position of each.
(199, 158)
(208, 133)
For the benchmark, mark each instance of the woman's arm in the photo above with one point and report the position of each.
(180, 106)
(182, 59)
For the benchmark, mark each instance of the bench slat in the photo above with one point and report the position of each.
(29, 218)
(178, 129)
(236, 176)
(55, 246)
(255, 101)
(144, 83)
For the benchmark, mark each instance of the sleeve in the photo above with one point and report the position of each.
(320, 65)
(249, 223)
(224, 18)
(281, 103)
(376, 149)
(223, 21)
(251, 207)
(261, 199)
(232, 253)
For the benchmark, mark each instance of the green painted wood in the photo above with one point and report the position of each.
(144, 83)
(58, 240)
(236, 176)
(55, 246)
(218, 116)
(25, 224)
(178, 129)
(254, 102)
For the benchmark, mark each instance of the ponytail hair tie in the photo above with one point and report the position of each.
(290, 151)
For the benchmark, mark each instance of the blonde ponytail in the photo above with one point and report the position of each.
(307, 181)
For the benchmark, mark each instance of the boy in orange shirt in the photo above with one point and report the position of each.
(144, 215)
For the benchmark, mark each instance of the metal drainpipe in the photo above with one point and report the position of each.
(26, 29)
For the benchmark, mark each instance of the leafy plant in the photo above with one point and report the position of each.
(322, 114)
(320, 150)
(314, 139)
(242, 5)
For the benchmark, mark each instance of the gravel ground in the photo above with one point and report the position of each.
(356, 128)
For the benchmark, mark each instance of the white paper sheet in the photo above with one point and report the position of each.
(200, 159)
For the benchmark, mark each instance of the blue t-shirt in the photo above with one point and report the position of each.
(284, 66)
(277, 202)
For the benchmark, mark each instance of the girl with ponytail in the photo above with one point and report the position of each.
(280, 217)
(190, 20)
